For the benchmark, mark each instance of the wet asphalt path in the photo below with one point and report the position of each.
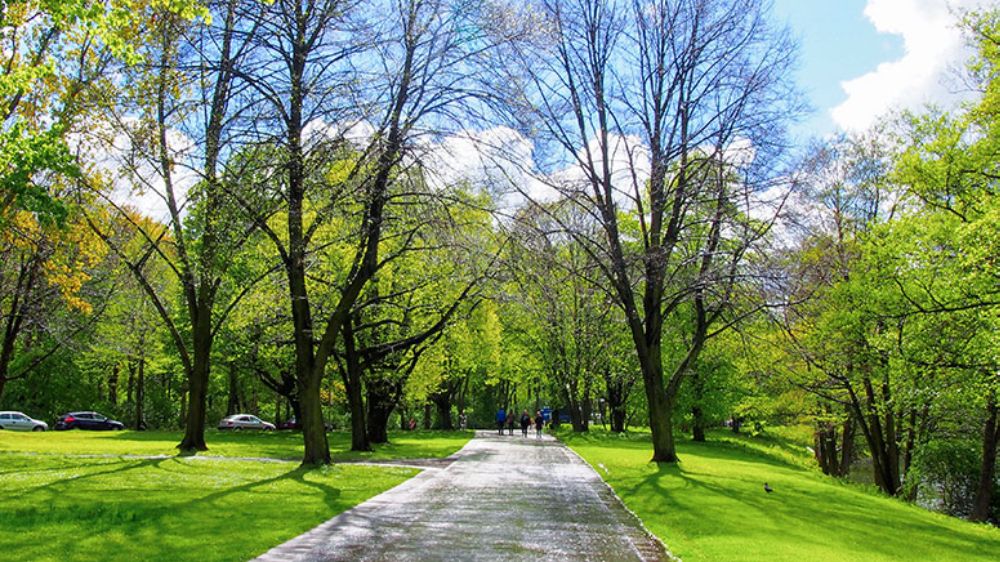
(504, 498)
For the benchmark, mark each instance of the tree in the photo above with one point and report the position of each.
(678, 86)
(415, 79)
(203, 230)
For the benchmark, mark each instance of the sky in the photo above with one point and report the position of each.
(859, 58)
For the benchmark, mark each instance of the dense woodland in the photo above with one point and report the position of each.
(359, 213)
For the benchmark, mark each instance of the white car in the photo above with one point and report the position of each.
(17, 421)
(244, 421)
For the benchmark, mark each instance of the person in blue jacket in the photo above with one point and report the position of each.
(501, 419)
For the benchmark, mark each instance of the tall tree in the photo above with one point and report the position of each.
(647, 105)
(202, 232)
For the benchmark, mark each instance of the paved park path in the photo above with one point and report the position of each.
(503, 498)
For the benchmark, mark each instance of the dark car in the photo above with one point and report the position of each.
(87, 420)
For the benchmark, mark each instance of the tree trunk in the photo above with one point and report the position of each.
(233, 403)
(182, 398)
(428, 414)
(987, 472)
(194, 430)
(113, 385)
(352, 373)
(847, 445)
(660, 409)
(697, 414)
(615, 396)
(442, 401)
(140, 395)
(698, 427)
(130, 385)
(378, 423)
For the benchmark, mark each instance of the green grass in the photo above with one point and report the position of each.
(273, 444)
(61, 508)
(57, 505)
(712, 506)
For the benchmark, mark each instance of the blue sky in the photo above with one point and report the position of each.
(837, 42)
(859, 58)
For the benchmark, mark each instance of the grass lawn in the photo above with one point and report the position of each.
(55, 506)
(272, 444)
(712, 506)
(60, 508)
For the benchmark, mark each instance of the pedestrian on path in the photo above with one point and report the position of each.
(539, 424)
(510, 423)
(463, 422)
(501, 418)
(525, 423)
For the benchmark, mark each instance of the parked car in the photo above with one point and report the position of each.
(237, 422)
(87, 420)
(17, 421)
(292, 423)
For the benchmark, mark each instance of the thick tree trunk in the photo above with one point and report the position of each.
(442, 402)
(378, 423)
(987, 471)
(194, 430)
(618, 417)
(317, 448)
(660, 409)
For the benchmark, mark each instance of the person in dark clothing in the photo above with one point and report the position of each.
(501, 419)
(525, 423)
(539, 424)
(510, 423)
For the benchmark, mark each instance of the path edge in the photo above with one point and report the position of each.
(642, 524)
(291, 550)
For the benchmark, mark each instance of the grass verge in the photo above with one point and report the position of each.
(712, 506)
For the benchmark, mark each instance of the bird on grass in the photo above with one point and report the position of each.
(767, 488)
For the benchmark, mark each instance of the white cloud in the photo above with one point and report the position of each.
(933, 46)
(499, 160)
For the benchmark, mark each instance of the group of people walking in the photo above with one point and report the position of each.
(506, 420)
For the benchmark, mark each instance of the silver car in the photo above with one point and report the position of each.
(17, 421)
(237, 422)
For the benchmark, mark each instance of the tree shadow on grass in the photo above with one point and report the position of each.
(819, 516)
(126, 465)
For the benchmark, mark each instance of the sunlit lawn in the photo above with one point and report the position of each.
(272, 444)
(62, 508)
(712, 506)
(57, 505)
